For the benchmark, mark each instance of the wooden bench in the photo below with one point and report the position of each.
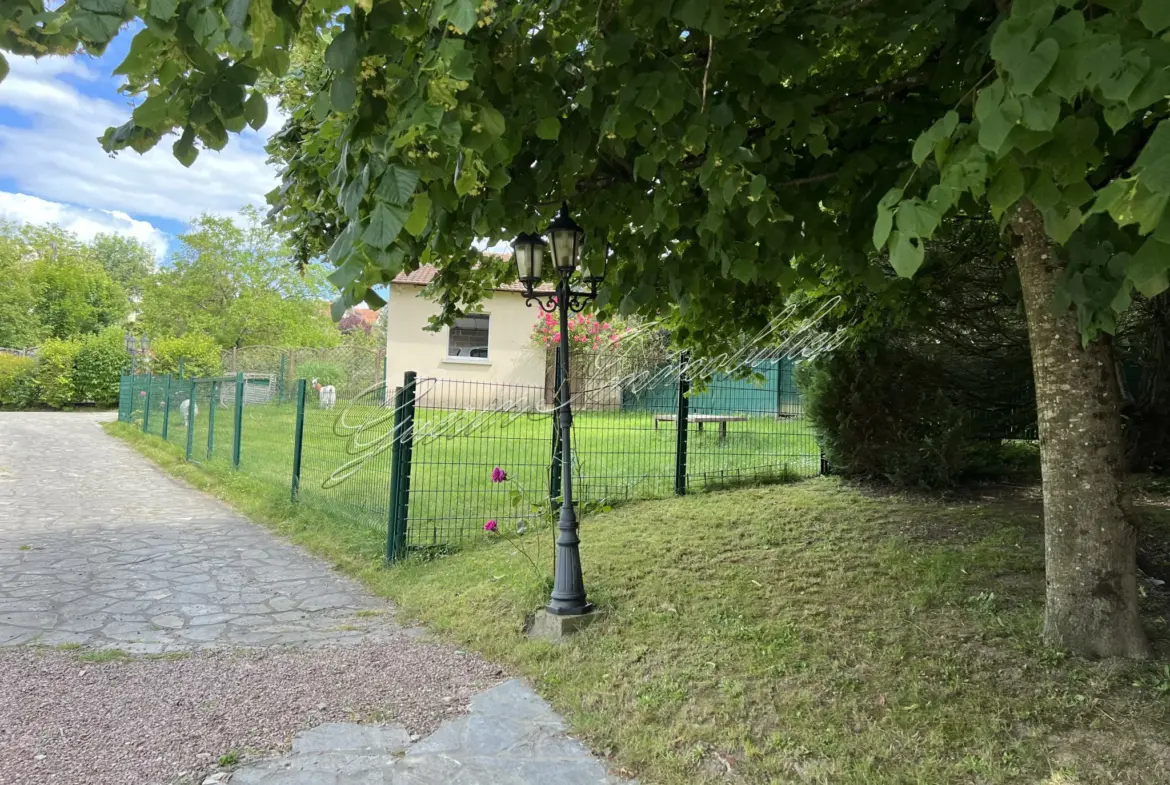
(722, 419)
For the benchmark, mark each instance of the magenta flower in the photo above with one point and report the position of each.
(499, 475)
(491, 526)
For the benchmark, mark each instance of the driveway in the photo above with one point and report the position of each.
(150, 634)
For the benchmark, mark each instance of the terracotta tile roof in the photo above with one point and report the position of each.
(426, 273)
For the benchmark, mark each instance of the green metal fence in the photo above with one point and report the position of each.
(414, 462)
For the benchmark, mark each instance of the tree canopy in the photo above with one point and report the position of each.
(237, 284)
(726, 151)
(53, 286)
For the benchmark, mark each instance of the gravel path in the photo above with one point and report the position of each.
(142, 721)
(241, 640)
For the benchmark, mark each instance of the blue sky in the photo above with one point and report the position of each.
(53, 170)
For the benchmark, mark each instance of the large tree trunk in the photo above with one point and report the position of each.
(1089, 544)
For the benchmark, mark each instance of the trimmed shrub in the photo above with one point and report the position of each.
(200, 355)
(18, 382)
(324, 372)
(883, 413)
(54, 373)
(98, 368)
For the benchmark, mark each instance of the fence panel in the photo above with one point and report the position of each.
(345, 454)
(750, 429)
(463, 430)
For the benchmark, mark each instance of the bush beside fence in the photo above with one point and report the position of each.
(414, 462)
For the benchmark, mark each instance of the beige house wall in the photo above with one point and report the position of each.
(512, 358)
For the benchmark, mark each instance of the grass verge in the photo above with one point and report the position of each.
(800, 633)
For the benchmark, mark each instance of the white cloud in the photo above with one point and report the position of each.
(83, 222)
(55, 155)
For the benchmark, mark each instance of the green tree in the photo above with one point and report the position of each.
(19, 326)
(238, 286)
(129, 262)
(72, 294)
(729, 154)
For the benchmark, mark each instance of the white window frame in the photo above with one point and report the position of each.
(450, 358)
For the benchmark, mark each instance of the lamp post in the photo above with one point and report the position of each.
(565, 240)
(142, 345)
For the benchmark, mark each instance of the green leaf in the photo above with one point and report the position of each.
(151, 113)
(236, 12)
(1153, 165)
(492, 121)
(916, 218)
(757, 186)
(905, 255)
(926, 142)
(645, 167)
(549, 128)
(184, 149)
(417, 221)
(343, 245)
(341, 54)
(342, 93)
(256, 110)
(1040, 113)
(164, 10)
(397, 184)
(692, 13)
(461, 14)
(1059, 224)
(1031, 70)
(994, 130)
(3, 67)
(95, 28)
(1155, 15)
(345, 274)
(743, 270)
(350, 198)
(885, 217)
(1150, 266)
(386, 221)
(1005, 188)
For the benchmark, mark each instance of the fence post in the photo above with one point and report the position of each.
(239, 419)
(146, 410)
(401, 454)
(280, 379)
(166, 407)
(190, 419)
(125, 397)
(211, 419)
(682, 420)
(298, 438)
(554, 474)
(233, 359)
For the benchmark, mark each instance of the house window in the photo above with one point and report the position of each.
(468, 337)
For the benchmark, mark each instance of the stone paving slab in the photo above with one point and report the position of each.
(98, 548)
(510, 737)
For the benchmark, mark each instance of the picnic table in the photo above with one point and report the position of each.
(722, 419)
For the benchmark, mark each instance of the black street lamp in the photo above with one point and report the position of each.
(565, 239)
(143, 345)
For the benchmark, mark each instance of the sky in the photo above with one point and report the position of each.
(53, 169)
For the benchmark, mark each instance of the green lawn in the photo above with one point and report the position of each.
(807, 632)
(346, 453)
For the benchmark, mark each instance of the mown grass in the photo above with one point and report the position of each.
(797, 633)
(620, 455)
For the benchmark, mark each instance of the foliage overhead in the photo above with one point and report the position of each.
(729, 152)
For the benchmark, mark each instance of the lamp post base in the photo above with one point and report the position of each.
(556, 627)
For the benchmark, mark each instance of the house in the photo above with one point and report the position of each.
(493, 346)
